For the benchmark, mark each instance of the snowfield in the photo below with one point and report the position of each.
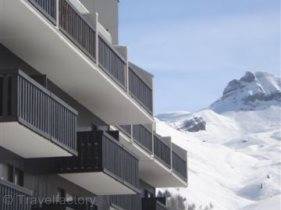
(235, 163)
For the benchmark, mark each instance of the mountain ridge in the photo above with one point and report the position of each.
(254, 90)
(234, 162)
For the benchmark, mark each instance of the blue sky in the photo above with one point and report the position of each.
(195, 47)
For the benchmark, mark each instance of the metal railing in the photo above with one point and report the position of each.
(72, 205)
(98, 151)
(26, 101)
(179, 165)
(125, 129)
(127, 202)
(152, 204)
(85, 36)
(119, 161)
(160, 206)
(112, 63)
(47, 7)
(143, 137)
(162, 151)
(140, 91)
(13, 197)
(77, 29)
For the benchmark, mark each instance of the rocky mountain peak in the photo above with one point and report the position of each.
(255, 90)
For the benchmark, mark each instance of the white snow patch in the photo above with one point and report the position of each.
(234, 164)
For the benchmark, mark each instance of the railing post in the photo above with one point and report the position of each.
(152, 97)
(4, 96)
(169, 139)
(14, 96)
(57, 13)
(132, 133)
(127, 73)
(97, 37)
(152, 133)
(187, 166)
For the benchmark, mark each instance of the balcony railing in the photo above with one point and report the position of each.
(143, 137)
(152, 204)
(179, 165)
(77, 29)
(179, 161)
(47, 7)
(162, 150)
(83, 34)
(120, 162)
(160, 206)
(14, 197)
(26, 101)
(112, 63)
(87, 36)
(73, 205)
(126, 129)
(100, 152)
(126, 202)
(140, 91)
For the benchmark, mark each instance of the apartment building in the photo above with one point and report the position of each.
(76, 116)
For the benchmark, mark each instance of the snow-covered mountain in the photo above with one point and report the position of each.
(235, 158)
(253, 91)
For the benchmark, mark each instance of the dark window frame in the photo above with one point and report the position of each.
(15, 175)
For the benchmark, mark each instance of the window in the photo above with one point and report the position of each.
(18, 177)
(60, 194)
(1, 95)
(11, 174)
(148, 194)
(4, 172)
(69, 197)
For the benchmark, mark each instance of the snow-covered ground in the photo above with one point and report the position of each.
(235, 163)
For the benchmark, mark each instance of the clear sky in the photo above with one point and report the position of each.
(195, 47)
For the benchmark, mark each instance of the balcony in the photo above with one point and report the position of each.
(69, 48)
(126, 202)
(47, 7)
(158, 171)
(32, 115)
(102, 166)
(126, 129)
(111, 169)
(155, 154)
(17, 197)
(137, 139)
(162, 150)
(179, 162)
(78, 205)
(140, 91)
(154, 204)
(143, 137)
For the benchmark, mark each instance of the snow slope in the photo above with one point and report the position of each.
(273, 203)
(235, 163)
